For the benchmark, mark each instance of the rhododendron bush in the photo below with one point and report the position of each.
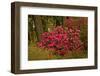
(61, 40)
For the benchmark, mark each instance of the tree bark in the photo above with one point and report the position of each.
(38, 26)
(64, 21)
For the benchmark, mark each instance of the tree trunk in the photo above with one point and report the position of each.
(64, 21)
(38, 26)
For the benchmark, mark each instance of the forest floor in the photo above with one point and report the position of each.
(36, 53)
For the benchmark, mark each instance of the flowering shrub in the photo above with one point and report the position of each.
(61, 40)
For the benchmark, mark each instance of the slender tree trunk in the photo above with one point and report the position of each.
(44, 23)
(64, 21)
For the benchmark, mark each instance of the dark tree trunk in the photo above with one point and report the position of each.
(44, 23)
(38, 26)
(64, 21)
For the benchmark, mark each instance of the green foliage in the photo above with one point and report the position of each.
(84, 35)
(36, 53)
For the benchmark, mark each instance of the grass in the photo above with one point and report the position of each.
(35, 53)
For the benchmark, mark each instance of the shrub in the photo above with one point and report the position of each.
(61, 40)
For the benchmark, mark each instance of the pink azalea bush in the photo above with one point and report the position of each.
(61, 40)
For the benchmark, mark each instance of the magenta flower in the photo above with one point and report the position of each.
(61, 40)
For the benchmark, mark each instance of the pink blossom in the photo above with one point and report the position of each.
(61, 40)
